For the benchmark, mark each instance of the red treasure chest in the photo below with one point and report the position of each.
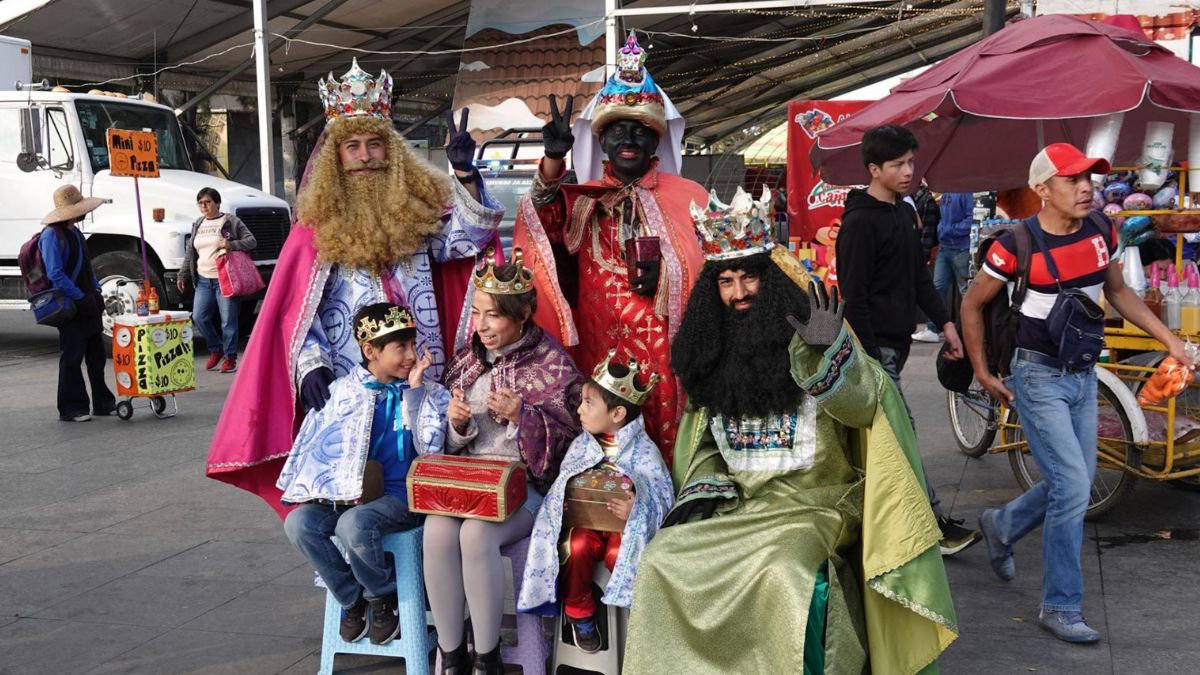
(466, 487)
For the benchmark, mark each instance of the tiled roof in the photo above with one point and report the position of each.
(530, 71)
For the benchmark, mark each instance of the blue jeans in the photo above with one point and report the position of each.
(952, 266)
(360, 529)
(893, 359)
(1066, 456)
(205, 307)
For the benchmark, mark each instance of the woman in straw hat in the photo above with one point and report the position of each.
(63, 250)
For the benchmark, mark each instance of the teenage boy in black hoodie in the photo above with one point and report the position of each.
(883, 278)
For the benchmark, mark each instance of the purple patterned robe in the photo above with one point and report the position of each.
(541, 372)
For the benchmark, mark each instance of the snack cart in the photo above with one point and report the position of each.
(153, 359)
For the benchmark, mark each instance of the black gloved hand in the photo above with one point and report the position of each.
(314, 389)
(460, 149)
(704, 506)
(646, 283)
(557, 138)
(824, 318)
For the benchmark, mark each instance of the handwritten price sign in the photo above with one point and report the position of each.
(133, 153)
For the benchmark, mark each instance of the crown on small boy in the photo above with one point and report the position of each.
(396, 319)
(485, 276)
(626, 387)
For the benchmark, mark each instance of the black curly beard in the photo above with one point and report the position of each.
(736, 362)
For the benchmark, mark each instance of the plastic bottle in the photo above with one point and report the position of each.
(1154, 295)
(152, 301)
(142, 303)
(1173, 302)
(1190, 314)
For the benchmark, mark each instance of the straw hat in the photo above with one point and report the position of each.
(70, 205)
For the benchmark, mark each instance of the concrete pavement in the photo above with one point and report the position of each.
(118, 556)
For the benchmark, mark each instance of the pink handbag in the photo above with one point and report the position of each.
(237, 274)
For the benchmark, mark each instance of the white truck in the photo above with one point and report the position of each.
(49, 139)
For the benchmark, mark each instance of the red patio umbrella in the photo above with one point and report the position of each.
(982, 114)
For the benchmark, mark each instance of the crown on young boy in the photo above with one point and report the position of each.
(734, 230)
(396, 319)
(486, 281)
(356, 94)
(626, 387)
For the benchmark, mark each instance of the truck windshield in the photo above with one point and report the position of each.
(97, 118)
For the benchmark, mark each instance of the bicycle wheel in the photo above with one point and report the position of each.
(1112, 482)
(972, 419)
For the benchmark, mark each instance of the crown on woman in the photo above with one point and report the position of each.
(734, 230)
(396, 319)
(357, 94)
(623, 387)
(486, 281)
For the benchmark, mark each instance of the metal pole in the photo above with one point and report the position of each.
(611, 38)
(266, 128)
(137, 202)
(994, 12)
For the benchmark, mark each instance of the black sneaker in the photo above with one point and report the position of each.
(586, 634)
(385, 620)
(955, 537)
(354, 621)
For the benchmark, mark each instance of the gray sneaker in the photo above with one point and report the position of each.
(1068, 626)
(999, 553)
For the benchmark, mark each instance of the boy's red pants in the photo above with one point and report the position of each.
(585, 548)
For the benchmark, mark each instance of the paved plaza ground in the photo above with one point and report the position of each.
(117, 555)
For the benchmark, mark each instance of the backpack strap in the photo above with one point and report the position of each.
(1024, 254)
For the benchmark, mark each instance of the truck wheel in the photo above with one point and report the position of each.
(111, 269)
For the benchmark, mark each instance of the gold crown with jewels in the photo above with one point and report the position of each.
(734, 230)
(485, 279)
(626, 387)
(396, 319)
(357, 94)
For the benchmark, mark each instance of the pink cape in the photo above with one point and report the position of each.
(261, 413)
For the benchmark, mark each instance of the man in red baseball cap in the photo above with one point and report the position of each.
(1051, 378)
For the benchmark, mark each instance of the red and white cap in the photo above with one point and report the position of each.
(1063, 159)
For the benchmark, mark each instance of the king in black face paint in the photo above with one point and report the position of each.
(630, 146)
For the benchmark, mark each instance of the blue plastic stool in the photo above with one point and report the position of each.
(416, 638)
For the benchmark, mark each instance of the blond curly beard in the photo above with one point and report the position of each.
(377, 220)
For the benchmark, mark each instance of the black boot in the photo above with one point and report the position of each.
(489, 663)
(456, 662)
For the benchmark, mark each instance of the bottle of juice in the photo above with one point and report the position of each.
(1173, 302)
(1154, 296)
(1190, 314)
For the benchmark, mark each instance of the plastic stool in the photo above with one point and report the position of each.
(612, 625)
(531, 650)
(416, 638)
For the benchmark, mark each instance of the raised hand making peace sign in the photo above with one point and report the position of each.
(557, 138)
(460, 149)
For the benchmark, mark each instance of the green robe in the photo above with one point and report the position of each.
(732, 594)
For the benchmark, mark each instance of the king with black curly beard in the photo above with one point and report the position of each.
(757, 568)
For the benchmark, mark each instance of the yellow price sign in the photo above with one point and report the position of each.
(133, 153)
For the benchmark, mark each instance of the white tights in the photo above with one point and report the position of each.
(462, 566)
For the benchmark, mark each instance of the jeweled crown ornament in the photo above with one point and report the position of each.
(630, 93)
(626, 387)
(734, 230)
(396, 319)
(357, 94)
(485, 279)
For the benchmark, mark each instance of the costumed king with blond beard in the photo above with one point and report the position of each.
(794, 458)
(373, 221)
(630, 296)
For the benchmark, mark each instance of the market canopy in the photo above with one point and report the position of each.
(734, 72)
(982, 114)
